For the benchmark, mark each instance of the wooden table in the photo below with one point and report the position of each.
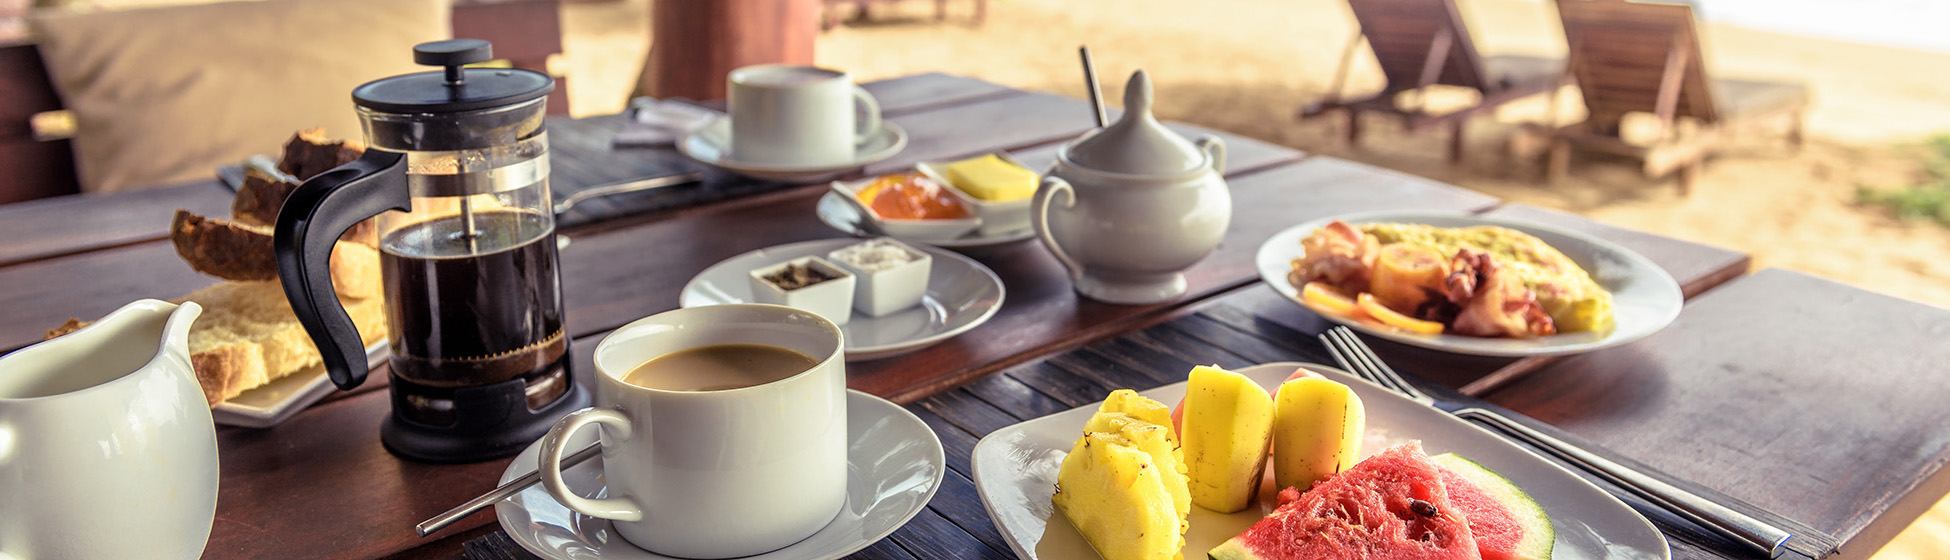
(1733, 399)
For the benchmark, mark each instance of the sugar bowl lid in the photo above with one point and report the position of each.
(1137, 143)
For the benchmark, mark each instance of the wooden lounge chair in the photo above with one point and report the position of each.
(1636, 57)
(1420, 43)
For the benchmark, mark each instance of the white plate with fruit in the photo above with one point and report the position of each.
(1016, 469)
(1638, 297)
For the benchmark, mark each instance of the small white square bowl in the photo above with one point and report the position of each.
(884, 287)
(997, 217)
(832, 299)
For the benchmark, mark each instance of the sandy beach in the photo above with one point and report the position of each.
(1245, 66)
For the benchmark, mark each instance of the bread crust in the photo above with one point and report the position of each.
(260, 198)
(309, 153)
(234, 251)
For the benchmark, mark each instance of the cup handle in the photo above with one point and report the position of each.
(618, 509)
(1039, 216)
(866, 117)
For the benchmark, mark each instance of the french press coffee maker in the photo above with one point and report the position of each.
(457, 172)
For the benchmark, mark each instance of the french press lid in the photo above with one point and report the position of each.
(456, 108)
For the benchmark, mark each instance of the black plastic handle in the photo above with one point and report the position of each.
(309, 226)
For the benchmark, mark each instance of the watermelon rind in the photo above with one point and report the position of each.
(1538, 535)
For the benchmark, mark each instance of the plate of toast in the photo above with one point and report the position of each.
(256, 364)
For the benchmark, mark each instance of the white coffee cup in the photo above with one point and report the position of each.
(799, 116)
(715, 473)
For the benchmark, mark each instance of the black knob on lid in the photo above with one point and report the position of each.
(453, 54)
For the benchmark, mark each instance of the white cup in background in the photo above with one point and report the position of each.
(800, 116)
(715, 473)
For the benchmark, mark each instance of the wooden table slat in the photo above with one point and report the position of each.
(52, 227)
(1770, 387)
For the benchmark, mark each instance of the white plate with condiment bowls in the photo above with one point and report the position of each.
(1644, 298)
(283, 397)
(997, 217)
(894, 465)
(961, 295)
(849, 192)
(1015, 472)
(711, 145)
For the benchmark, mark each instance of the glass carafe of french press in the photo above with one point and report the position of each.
(457, 172)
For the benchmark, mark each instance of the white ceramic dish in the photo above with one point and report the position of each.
(997, 217)
(961, 295)
(1644, 298)
(279, 400)
(836, 211)
(894, 465)
(885, 286)
(1015, 472)
(711, 145)
(832, 299)
(849, 192)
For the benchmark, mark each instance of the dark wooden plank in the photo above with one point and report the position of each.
(321, 486)
(40, 295)
(966, 412)
(930, 537)
(1697, 267)
(64, 225)
(984, 126)
(1799, 395)
(1013, 398)
(933, 90)
(960, 503)
(1059, 384)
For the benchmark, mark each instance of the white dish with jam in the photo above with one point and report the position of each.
(961, 294)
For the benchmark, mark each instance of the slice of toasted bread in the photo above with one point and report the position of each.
(260, 198)
(309, 153)
(234, 251)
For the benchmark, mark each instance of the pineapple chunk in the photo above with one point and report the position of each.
(1129, 402)
(1155, 440)
(1317, 425)
(1228, 420)
(1115, 495)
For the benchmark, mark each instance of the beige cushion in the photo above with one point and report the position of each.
(167, 94)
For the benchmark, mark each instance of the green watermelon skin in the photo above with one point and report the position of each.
(1361, 514)
(1507, 523)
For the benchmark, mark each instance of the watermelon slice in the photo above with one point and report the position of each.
(1507, 524)
(1391, 506)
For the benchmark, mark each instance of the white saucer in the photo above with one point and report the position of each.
(894, 465)
(712, 146)
(282, 398)
(961, 295)
(834, 210)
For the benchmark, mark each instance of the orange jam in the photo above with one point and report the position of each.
(912, 196)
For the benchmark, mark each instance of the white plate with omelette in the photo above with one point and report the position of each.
(1644, 298)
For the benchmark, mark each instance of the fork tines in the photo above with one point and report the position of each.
(1362, 361)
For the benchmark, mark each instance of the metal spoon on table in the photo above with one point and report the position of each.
(502, 492)
(627, 187)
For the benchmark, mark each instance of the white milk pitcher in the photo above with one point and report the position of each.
(106, 445)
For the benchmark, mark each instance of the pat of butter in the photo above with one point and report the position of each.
(991, 178)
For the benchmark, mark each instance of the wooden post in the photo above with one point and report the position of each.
(695, 43)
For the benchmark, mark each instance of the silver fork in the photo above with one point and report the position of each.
(1360, 360)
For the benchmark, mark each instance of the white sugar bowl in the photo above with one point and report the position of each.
(1129, 207)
